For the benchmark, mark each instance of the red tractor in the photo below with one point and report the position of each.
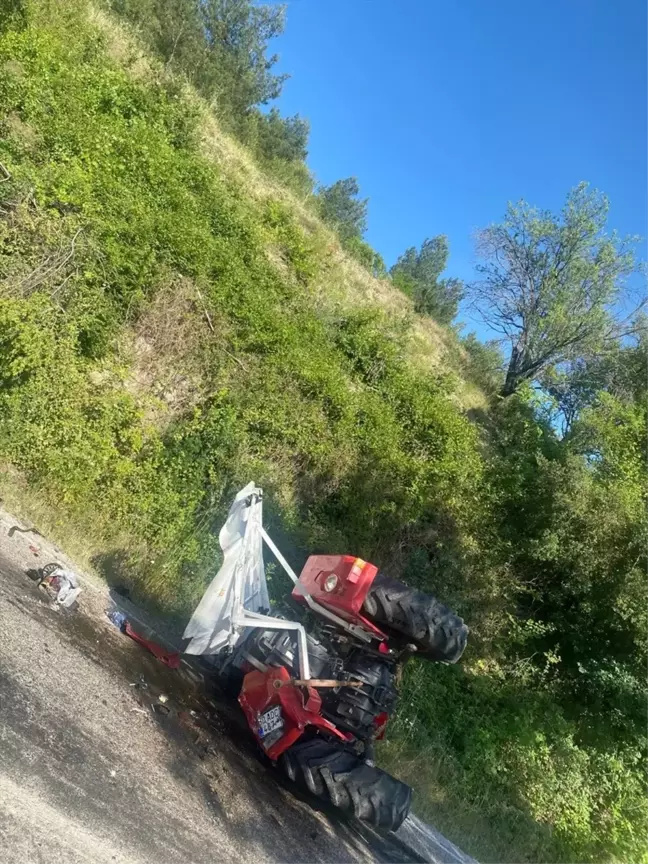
(316, 701)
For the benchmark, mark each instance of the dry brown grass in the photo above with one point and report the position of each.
(124, 47)
(166, 351)
(20, 131)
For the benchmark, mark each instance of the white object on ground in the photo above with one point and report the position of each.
(68, 587)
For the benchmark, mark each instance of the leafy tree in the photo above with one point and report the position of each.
(174, 29)
(340, 205)
(221, 45)
(573, 386)
(549, 283)
(278, 137)
(631, 369)
(570, 388)
(237, 33)
(417, 274)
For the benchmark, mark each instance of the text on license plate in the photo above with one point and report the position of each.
(270, 720)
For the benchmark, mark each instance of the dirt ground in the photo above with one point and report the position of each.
(94, 767)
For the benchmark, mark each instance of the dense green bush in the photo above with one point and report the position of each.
(482, 747)
(417, 274)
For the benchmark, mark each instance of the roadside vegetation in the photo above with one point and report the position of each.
(183, 308)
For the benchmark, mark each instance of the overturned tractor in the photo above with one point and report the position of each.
(317, 700)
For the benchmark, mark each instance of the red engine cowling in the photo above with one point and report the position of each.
(341, 583)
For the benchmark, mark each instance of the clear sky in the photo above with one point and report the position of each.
(444, 111)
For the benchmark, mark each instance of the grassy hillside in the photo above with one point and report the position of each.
(193, 298)
(175, 322)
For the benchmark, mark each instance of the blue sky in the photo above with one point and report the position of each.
(447, 110)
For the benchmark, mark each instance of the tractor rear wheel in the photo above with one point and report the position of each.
(340, 777)
(437, 632)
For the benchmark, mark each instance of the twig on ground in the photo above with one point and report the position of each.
(235, 359)
(63, 283)
(209, 321)
(49, 268)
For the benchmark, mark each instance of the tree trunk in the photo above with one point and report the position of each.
(513, 376)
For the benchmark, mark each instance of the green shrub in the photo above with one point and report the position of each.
(293, 242)
(365, 255)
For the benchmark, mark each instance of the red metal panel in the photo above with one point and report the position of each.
(299, 709)
(341, 583)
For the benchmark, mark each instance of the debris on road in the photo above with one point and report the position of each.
(80, 685)
(15, 528)
(170, 659)
(118, 619)
(121, 622)
(61, 583)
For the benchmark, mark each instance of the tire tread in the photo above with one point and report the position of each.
(436, 631)
(334, 774)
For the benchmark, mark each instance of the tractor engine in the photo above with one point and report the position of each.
(359, 710)
(320, 729)
(366, 624)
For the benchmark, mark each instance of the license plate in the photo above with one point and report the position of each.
(270, 720)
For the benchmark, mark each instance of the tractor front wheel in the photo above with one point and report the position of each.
(335, 774)
(437, 632)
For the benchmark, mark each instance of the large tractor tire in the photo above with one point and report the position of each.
(340, 777)
(437, 632)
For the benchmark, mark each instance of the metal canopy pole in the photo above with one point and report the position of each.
(359, 632)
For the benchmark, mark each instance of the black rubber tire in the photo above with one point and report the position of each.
(356, 709)
(437, 632)
(340, 777)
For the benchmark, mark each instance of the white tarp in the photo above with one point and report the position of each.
(212, 625)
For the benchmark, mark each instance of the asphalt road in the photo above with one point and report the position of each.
(89, 772)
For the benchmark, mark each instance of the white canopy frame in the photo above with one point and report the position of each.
(237, 598)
